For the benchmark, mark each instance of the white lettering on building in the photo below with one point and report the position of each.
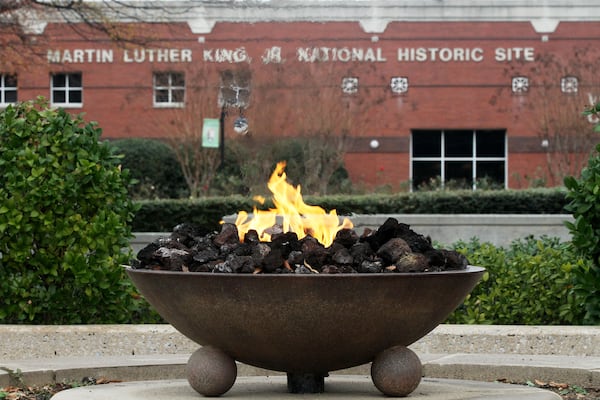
(503, 54)
(272, 55)
(80, 56)
(443, 54)
(141, 55)
(341, 54)
(226, 55)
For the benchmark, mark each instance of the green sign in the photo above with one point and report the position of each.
(210, 133)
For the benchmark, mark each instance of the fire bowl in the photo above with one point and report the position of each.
(305, 325)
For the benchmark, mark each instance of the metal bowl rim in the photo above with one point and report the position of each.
(470, 269)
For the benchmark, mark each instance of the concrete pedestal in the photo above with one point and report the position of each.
(336, 387)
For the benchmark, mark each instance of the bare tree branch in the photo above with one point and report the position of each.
(22, 21)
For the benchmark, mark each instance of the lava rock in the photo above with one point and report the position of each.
(315, 253)
(172, 259)
(371, 267)
(393, 249)
(342, 257)
(228, 235)
(186, 234)
(241, 264)
(412, 262)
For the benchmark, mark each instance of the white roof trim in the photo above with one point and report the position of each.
(373, 16)
(545, 25)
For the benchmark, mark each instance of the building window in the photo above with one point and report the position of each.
(520, 84)
(458, 159)
(8, 89)
(350, 85)
(399, 84)
(569, 84)
(234, 90)
(169, 89)
(67, 90)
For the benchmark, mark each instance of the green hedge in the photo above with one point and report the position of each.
(163, 215)
(533, 281)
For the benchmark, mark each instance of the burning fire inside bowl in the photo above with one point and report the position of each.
(293, 289)
(297, 216)
(294, 237)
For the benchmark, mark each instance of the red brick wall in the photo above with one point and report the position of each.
(441, 95)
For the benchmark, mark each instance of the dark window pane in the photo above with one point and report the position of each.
(229, 96)
(177, 80)
(227, 78)
(162, 96)
(75, 80)
(426, 143)
(491, 171)
(490, 143)
(243, 97)
(10, 81)
(59, 96)
(161, 79)
(59, 80)
(459, 171)
(75, 96)
(458, 143)
(178, 95)
(10, 96)
(424, 172)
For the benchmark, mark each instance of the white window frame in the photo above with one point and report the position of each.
(442, 159)
(68, 88)
(170, 88)
(4, 88)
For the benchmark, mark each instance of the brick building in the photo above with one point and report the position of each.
(446, 89)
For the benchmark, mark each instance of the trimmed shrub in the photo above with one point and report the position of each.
(64, 215)
(154, 167)
(531, 282)
(206, 213)
(163, 215)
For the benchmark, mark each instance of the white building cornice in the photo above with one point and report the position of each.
(373, 16)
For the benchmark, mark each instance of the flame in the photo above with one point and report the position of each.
(297, 216)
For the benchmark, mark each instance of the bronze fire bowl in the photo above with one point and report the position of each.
(305, 323)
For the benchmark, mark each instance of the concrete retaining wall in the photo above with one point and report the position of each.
(499, 229)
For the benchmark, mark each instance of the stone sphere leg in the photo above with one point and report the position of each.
(396, 371)
(210, 371)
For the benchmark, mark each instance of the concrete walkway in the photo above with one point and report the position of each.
(582, 371)
(131, 353)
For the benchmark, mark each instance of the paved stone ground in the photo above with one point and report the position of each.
(565, 360)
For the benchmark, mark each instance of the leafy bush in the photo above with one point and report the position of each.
(154, 167)
(532, 282)
(585, 231)
(64, 215)
(584, 203)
